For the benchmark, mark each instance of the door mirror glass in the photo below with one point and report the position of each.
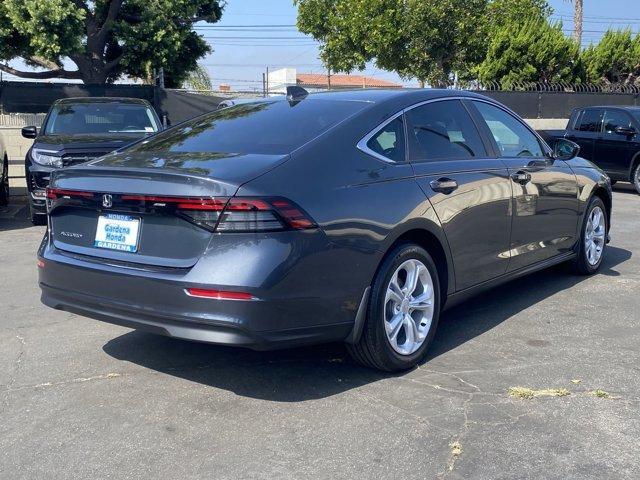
(29, 132)
(626, 131)
(565, 149)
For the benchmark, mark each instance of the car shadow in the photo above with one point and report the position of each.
(14, 216)
(623, 187)
(300, 374)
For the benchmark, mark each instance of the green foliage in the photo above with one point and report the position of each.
(533, 52)
(427, 40)
(105, 38)
(615, 59)
(198, 79)
(509, 13)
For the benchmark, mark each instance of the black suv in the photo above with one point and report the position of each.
(609, 137)
(77, 130)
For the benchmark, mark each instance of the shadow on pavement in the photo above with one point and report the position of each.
(623, 187)
(301, 374)
(480, 314)
(14, 216)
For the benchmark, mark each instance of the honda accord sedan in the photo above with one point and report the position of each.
(352, 216)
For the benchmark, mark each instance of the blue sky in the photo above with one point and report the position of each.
(242, 64)
(254, 34)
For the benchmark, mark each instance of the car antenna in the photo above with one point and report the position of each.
(296, 94)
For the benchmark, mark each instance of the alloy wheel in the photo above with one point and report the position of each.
(409, 307)
(594, 238)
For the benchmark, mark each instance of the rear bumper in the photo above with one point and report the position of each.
(188, 328)
(156, 301)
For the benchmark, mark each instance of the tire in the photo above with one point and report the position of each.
(4, 184)
(589, 260)
(376, 348)
(635, 178)
(36, 218)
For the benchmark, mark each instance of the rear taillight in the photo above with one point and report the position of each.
(250, 215)
(237, 214)
(55, 193)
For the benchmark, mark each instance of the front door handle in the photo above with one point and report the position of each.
(521, 177)
(443, 185)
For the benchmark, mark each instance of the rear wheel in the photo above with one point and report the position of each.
(593, 239)
(403, 311)
(4, 184)
(635, 178)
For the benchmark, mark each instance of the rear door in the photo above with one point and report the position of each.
(545, 191)
(614, 151)
(468, 186)
(585, 130)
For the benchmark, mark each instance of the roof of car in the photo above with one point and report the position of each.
(379, 95)
(136, 101)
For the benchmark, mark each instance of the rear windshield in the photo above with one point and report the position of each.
(268, 127)
(100, 118)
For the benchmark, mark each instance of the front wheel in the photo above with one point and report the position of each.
(593, 240)
(403, 311)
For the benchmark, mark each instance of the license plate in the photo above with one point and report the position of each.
(117, 232)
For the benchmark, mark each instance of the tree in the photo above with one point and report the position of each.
(615, 59)
(105, 38)
(425, 39)
(198, 79)
(504, 13)
(533, 52)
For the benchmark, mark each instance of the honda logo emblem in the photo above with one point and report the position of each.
(107, 201)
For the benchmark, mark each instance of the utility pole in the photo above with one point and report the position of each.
(328, 78)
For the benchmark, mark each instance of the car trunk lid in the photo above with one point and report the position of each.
(131, 209)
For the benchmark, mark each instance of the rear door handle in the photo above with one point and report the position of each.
(521, 177)
(443, 185)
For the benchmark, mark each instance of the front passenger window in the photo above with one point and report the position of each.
(512, 137)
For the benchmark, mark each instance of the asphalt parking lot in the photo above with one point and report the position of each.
(84, 399)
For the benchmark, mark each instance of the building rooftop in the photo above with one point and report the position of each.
(321, 80)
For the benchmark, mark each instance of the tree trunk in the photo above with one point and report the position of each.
(577, 20)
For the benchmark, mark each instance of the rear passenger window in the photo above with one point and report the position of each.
(389, 141)
(512, 137)
(443, 131)
(616, 118)
(589, 121)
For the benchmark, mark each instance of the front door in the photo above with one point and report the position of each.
(468, 186)
(545, 191)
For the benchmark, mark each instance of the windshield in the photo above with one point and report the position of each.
(100, 118)
(267, 127)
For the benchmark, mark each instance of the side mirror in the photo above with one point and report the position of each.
(565, 149)
(626, 131)
(29, 132)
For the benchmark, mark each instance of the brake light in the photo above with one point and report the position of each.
(218, 294)
(240, 214)
(55, 193)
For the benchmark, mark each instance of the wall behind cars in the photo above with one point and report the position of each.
(544, 106)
